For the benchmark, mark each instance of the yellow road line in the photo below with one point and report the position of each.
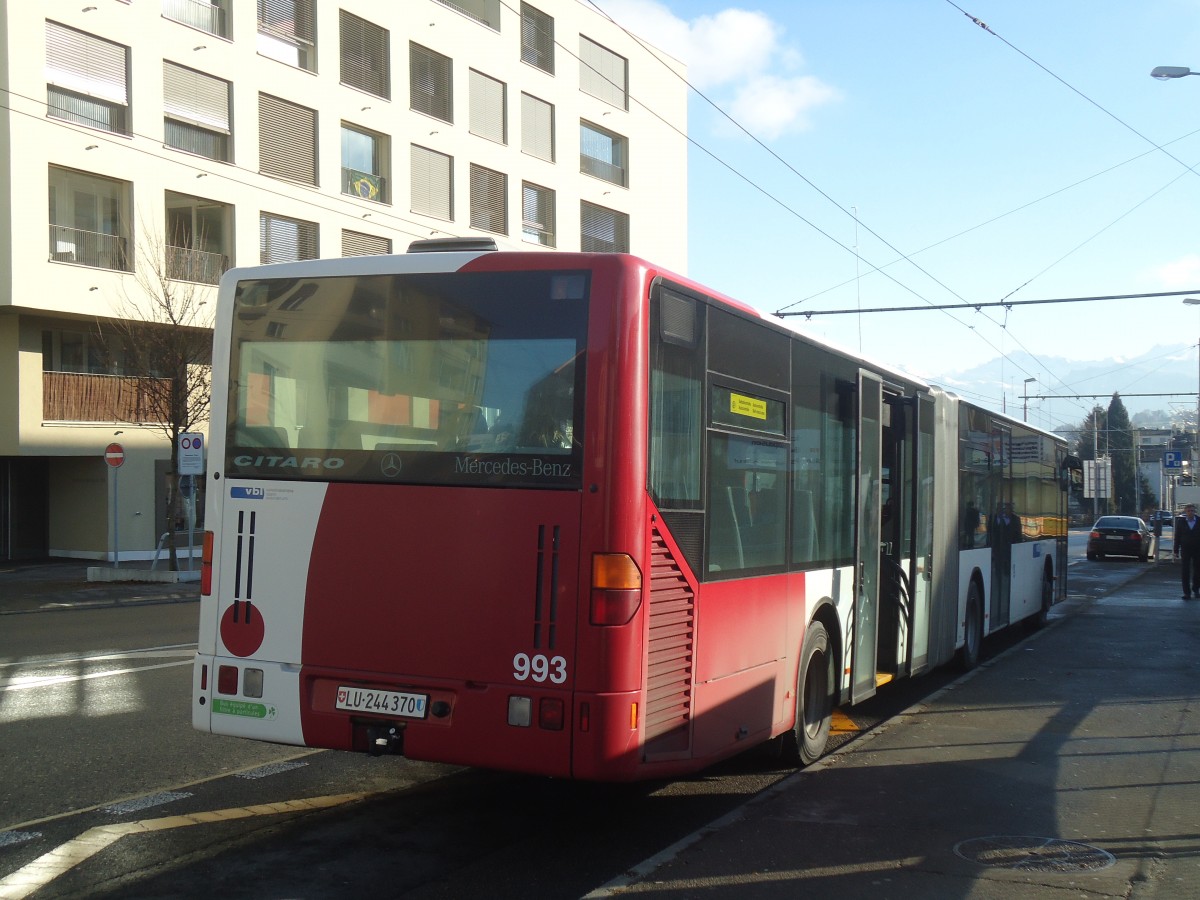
(48, 866)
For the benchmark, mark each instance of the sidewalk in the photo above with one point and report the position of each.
(1067, 767)
(63, 584)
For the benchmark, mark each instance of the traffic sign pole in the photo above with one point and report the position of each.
(114, 456)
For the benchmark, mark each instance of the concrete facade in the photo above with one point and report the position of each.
(124, 193)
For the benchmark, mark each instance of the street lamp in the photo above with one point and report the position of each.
(1164, 73)
(1025, 397)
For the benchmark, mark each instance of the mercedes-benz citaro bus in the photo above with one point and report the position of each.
(575, 515)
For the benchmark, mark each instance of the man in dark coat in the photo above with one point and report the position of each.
(1187, 550)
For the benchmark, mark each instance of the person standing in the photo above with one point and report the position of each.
(1187, 550)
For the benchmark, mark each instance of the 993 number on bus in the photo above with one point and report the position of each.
(539, 668)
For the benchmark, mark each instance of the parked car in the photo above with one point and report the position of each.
(1121, 536)
(1163, 515)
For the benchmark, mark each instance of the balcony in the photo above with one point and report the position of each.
(184, 264)
(89, 248)
(198, 14)
(599, 168)
(365, 185)
(76, 397)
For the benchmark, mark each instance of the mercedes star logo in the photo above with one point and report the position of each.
(391, 465)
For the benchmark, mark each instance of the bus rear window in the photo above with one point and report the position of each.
(438, 378)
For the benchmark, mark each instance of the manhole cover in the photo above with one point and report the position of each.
(1033, 854)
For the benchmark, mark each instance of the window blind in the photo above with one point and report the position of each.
(86, 64)
(431, 184)
(537, 127)
(487, 108)
(355, 243)
(365, 58)
(194, 97)
(488, 209)
(287, 139)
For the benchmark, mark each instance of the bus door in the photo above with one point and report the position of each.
(921, 560)
(864, 646)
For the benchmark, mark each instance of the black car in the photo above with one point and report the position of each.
(1120, 536)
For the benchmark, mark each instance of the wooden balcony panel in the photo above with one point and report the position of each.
(76, 397)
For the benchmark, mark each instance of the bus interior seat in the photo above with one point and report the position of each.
(261, 436)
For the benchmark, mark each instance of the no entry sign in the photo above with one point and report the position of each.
(114, 455)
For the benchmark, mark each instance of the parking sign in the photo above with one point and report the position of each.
(1173, 459)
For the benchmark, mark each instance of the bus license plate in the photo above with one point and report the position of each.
(384, 703)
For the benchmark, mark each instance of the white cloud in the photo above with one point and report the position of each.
(1181, 273)
(736, 50)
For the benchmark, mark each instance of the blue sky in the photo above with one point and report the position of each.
(1015, 164)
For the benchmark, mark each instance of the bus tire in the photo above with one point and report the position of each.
(1043, 614)
(968, 654)
(805, 743)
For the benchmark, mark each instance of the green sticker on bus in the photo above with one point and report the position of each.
(741, 405)
(242, 708)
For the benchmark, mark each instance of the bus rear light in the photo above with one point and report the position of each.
(206, 565)
(550, 714)
(252, 683)
(204, 677)
(227, 679)
(616, 589)
(520, 712)
(585, 717)
(614, 607)
(633, 717)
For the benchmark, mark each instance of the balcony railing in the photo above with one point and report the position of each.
(199, 14)
(589, 165)
(75, 397)
(364, 184)
(89, 248)
(184, 264)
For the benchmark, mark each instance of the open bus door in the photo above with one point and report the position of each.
(921, 560)
(864, 644)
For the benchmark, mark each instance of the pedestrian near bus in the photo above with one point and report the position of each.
(1187, 550)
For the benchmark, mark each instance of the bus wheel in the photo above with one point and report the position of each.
(968, 655)
(805, 743)
(1047, 600)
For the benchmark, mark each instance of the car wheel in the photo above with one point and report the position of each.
(1092, 557)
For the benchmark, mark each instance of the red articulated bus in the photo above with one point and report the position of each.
(574, 515)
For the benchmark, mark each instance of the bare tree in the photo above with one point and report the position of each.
(163, 338)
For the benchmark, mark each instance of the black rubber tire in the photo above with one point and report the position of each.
(969, 652)
(1039, 620)
(806, 742)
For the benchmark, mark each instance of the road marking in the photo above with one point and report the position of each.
(148, 802)
(43, 870)
(39, 681)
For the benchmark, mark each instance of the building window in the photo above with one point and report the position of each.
(212, 17)
(537, 214)
(603, 154)
(603, 73)
(89, 220)
(431, 85)
(287, 32)
(287, 140)
(87, 79)
(432, 186)
(281, 239)
(602, 230)
(365, 164)
(537, 38)
(198, 246)
(486, 12)
(488, 117)
(196, 112)
(537, 127)
(365, 58)
(355, 243)
(489, 212)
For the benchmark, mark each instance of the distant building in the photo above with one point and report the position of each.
(219, 133)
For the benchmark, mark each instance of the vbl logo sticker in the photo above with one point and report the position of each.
(247, 493)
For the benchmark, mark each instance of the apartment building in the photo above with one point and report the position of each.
(142, 138)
